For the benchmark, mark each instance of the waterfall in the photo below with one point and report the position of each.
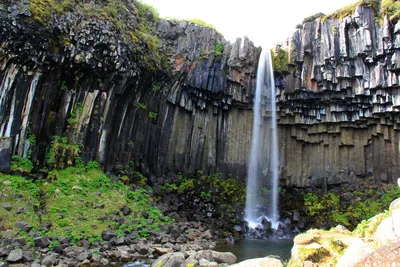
(263, 162)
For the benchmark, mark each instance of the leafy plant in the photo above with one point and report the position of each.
(153, 115)
(141, 105)
(218, 49)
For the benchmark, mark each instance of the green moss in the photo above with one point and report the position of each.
(201, 23)
(70, 202)
(367, 228)
(41, 10)
(280, 60)
(21, 164)
(391, 8)
(328, 207)
(313, 17)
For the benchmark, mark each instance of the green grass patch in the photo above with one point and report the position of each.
(21, 194)
(79, 203)
(201, 23)
(328, 207)
(21, 164)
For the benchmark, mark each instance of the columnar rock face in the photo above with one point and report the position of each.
(80, 89)
(339, 103)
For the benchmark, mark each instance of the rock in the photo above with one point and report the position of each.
(104, 261)
(388, 255)
(206, 263)
(388, 230)
(309, 264)
(341, 228)
(50, 260)
(207, 234)
(176, 259)
(126, 210)
(224, 257)
(83, 256)
(142, 248)
(5, 153)
(42, 242)
(15, 255)
(260, 262)
(395, 204)
(19, 242)
(4, 251)
(162, 251)
(355, 252)
(107, 235)
(7, 206)
(23, 226)
(175, 232)
(20, 210)
(120, 241)
(145, 214)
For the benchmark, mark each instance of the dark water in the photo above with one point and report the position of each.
(253, 248)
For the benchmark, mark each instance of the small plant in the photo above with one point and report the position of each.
(64, 86)
(156, 87)
(218, 49)
(141, 105)
(93, 165)
(153, 115)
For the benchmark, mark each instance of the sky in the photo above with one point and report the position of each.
(265, 22)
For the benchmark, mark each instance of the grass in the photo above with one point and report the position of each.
(382, 8)
(201, 23)
(21, 164)
(20, 193)
(79, 203)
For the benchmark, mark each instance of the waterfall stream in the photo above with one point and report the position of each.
(263, 162)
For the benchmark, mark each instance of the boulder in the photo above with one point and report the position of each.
(389, 229)
(50, 260)
(15, 255)
(42, 242)
(224, 257)
(260, 262)
(107, 235)
(5, 153)
(354, 253)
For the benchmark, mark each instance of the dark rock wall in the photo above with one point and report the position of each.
(91, 91)
(339, 108)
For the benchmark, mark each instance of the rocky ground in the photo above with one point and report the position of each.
(375, 242)
(179, 237)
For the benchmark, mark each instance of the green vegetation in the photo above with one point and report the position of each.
(139, 36)
(280, 60)
(153, 115)
(59, 149)
(141, 105)
(21, 164)
(328, 208)
(218, 50)
(201, 23)
(226, 194)
(392, 9)
(381, 8)
(79, 203)
(313, 17)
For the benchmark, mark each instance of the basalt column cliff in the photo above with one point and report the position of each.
(123, 87)
(339, 102)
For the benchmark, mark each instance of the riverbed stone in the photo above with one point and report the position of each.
(7, 206)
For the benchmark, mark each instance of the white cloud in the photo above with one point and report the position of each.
(264, 22)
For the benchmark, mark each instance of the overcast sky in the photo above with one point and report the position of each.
(264, 22)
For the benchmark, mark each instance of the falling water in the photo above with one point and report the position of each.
(263, 163)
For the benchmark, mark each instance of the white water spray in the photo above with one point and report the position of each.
(263, 163)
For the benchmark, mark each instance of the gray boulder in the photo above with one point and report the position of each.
(50, 260)
(260, 262)
(15, 255)
(224, 257)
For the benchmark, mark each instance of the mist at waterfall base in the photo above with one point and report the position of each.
(262, 178)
